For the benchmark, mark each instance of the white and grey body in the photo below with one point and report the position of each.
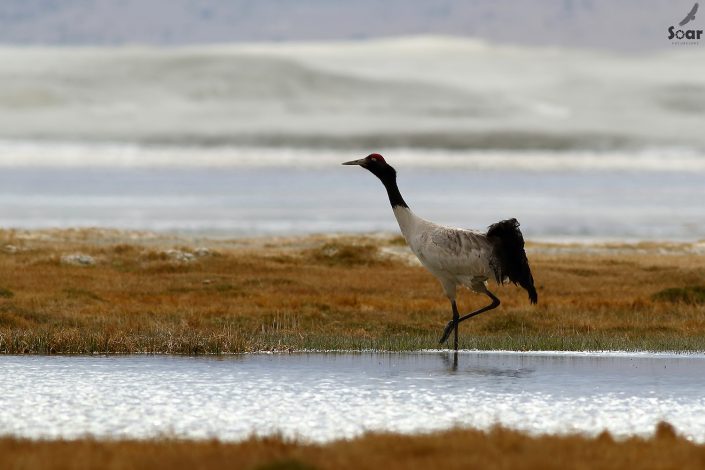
(454, 256)
(458, 257)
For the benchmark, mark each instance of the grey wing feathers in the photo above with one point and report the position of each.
(458, 242)
(456, 251)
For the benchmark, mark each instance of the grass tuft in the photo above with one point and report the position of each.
(345, 254)
(6, 293)
(691, 295)
(397, 240)
(286, 464)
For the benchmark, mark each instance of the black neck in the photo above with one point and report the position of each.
(390, 183)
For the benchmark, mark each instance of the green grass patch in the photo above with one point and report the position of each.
(691, 295)
(398, 241)
(6, 293)
(345, 254)
(184, 340)
(286, 464)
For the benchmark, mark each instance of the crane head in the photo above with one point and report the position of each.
(376, 164)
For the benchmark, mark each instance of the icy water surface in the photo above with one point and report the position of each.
(326, 396)
(564, 205)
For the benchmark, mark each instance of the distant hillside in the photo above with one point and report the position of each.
(623, 25)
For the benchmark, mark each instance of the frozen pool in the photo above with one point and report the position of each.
(326, 396)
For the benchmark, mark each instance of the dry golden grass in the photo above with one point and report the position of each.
(326, 293)
(456, 449)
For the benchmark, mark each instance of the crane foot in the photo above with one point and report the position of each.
(447, 331)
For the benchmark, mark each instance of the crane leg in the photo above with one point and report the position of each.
(456, 320)
(453, 324)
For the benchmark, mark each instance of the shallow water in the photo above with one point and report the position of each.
(326, 396)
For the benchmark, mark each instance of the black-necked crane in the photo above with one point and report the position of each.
(458, 257)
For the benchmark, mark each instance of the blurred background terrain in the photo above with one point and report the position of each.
(580, 118)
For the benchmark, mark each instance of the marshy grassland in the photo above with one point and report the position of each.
(455, 449)
(101, 291)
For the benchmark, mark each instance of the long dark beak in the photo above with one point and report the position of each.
(355, 162)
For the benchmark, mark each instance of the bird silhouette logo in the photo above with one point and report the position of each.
(685, 36)
(690, 16)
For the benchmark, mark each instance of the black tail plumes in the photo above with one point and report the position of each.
(510, 258)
